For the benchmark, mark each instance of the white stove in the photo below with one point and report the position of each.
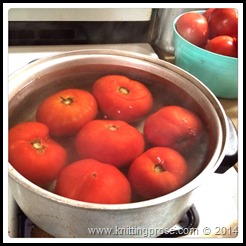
(216, 200)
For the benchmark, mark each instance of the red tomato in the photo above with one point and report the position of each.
(223, 21)
(236, 41)
(208, 12)
(110, 141)
(66, 111)
(120, 98)
(157, 172)
(173, 126)
(193, 27)
(91, 181)
(223, 45)
(34, 154)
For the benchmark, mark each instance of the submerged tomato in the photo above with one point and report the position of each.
(157, 172)
(66, 111)
(223, 21)
(34, 154)
(193, 27)
(223, 45)
(173, 126)
(112, 141)
(93, 181)
(121, 98)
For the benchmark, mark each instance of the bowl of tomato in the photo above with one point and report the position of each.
(208, 49)
(76, 167)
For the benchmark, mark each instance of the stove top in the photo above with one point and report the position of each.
(215, 208)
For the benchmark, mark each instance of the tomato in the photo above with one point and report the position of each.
(112, 141)
(121, 98)
(173, 126)
(92, 181)
(223, 45)
(66, 111)
(236, 41)
(223, 21)
(193, 27)
(157, 172)
(208, 12)
(34, 154)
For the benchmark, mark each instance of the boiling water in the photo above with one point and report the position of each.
(23, 106)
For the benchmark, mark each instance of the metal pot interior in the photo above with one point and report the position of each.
(169, 85)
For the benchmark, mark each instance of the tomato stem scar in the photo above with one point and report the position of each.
(159, 168)
(124, 90)
(113, 127)
(37, 145)
(67, 101)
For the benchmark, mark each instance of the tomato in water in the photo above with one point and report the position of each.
(112, 141)
(223, 45)
(173, 126)
(122, 98)
(34, 154)
(157, 172)
(193, 27)
(66, 111)
(92, 181)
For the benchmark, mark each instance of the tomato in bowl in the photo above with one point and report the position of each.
(218, 72)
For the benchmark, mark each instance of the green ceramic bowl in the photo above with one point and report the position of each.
(218, 72)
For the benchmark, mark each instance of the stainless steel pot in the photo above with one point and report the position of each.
(62, 217)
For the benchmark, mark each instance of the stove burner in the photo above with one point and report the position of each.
(186, 225)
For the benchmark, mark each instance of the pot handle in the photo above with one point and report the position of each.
(231, 157)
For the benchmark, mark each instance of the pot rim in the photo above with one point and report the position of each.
(194, 183)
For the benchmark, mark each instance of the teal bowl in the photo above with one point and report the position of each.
(218, 72)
